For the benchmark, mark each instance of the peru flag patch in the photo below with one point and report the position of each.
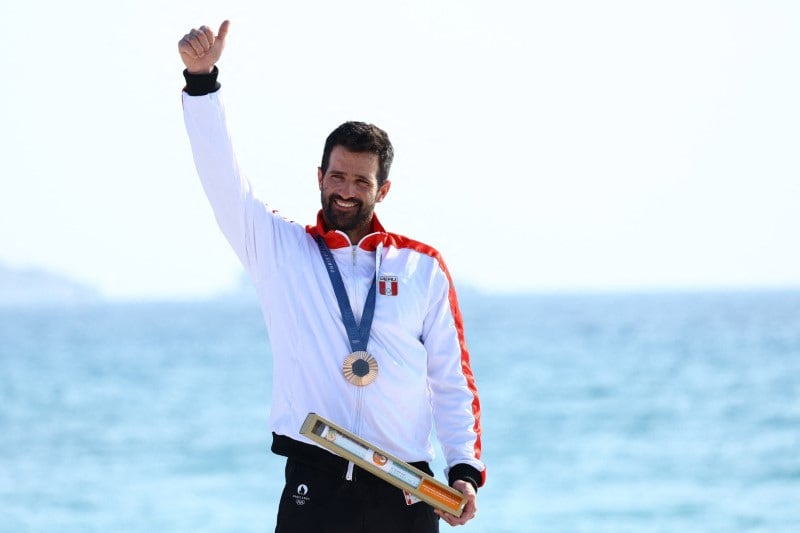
(387, 285)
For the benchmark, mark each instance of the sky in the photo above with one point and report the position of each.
(542, 146)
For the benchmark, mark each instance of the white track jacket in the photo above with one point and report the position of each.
(417, 337)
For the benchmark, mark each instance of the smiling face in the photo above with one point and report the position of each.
(349, 191)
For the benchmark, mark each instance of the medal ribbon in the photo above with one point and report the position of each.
(358, 334)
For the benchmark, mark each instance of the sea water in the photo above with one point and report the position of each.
(601, 412)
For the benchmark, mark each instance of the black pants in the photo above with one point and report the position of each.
(318, 498)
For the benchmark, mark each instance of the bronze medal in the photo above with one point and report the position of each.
(360, 368)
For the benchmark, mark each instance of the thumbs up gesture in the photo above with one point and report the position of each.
(200, 49)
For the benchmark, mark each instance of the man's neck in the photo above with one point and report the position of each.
(357, 234)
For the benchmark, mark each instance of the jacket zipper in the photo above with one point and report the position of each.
(359, 390)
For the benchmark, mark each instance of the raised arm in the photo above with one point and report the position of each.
(227, 189)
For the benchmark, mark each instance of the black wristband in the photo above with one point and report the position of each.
(200, 84)
(466, 473)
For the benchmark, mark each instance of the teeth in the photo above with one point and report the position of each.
(342, 203)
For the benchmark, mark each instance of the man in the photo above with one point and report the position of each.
(364, 324)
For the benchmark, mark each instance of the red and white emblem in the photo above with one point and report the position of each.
(387, 285)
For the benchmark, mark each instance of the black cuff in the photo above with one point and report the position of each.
(200, 84)
(464, 472)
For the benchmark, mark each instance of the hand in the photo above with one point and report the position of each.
(469, 509)
(200, 49)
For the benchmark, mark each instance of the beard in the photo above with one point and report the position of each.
(356, 218)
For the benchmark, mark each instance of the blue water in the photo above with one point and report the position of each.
(649, 412)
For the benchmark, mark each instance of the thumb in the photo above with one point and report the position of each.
(223, 30)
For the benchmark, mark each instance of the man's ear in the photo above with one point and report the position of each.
(383, 191)
(319, 177)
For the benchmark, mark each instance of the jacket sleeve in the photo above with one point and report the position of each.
(228, 190)
(454, 395)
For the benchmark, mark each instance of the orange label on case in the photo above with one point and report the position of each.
(430, 489)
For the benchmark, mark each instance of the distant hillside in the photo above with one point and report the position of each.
(35, 287)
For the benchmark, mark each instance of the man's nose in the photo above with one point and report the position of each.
(348, 189)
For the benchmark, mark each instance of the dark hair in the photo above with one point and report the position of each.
(361, 137)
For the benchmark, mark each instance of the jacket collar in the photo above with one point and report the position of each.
(338, 239)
